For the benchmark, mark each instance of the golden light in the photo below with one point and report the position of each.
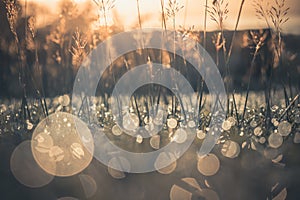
(125, 13)
(62, 145)
(79, 1)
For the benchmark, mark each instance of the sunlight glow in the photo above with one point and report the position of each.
(125, 14)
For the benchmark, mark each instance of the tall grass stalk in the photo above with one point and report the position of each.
(163, 27)
(139, 13)
(12, 17)
(219, 13)
(235, 108)
(278, 15)
(205, 24)
(30, 27)
(234, 33)
(200, 83)
(163, 15)
(146, 59)
(289, 107)
(173, 8)
(217, 41)
(104, 6)
(259, 41)
(231, 47)
(79, 54)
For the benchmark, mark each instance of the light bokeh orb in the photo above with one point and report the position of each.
(284, 128)
(62, 144)
(172, 123)
(89, 185)
(117, 167)
(200, 134)
(180, 136)
(155, 142)
(275, 140)
(25, 169)
(208, 165)
(230, 149)
(189, 189)
(161, 161)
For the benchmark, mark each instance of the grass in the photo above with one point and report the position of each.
(68, 47)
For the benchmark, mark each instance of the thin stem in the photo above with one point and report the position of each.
(139, 14)
(234, 33)
(288, 107)
(249, 81)
(205, 24)
(235, 107)
(164, 26)
(137, 109)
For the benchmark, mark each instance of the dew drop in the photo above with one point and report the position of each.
(284, 128)
(226, 125)
(230, 149)
(139, 139)
(258, 131)
(275, 140)
(200, 134)
(155, 141)
(172, 123)
(116, 130)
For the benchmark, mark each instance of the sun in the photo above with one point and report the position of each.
(79, 1)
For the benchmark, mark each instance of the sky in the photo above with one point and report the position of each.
(191, 15)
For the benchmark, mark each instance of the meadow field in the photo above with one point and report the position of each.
(100, 99)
